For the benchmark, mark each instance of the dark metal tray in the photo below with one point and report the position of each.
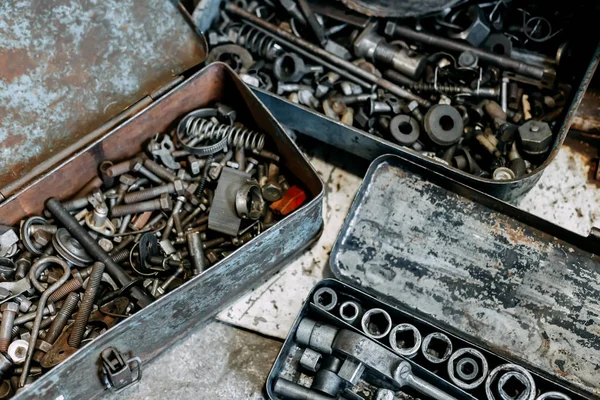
(151, 330)
(286, 365)
(514, 283)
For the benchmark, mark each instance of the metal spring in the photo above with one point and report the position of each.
(205, 129)
(257, 42)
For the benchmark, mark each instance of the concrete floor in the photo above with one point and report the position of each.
(217, 361)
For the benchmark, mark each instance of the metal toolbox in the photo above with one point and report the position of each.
(432, 251)
(259, 35)
(155, 327)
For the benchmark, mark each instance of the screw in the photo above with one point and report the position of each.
(9, 312)
(160, 171)
(125, 182)
(163, 203)
(163, 287)
(83, 315)
(354, 98)
(59, 323)
(171, 221)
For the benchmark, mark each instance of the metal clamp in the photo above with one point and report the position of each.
(118, 373)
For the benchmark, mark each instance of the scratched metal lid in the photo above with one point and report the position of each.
(520, 285)
(67, 66)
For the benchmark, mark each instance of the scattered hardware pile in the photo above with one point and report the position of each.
(480, 87)
(349, 345)
(153, 222)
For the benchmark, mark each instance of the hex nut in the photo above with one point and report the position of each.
(535, 136)
(41, 238)
(10, 306)
(479, 29)
(410, 107)
(166, 204)
(272, 191)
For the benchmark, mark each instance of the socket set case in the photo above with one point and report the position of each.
(152, 329)
(445, 258)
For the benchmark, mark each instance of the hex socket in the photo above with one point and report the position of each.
(350, 311)
(325, 298)
(376, 323)
(405, 339)
(436, 347)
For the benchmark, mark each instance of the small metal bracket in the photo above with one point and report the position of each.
(118, 373)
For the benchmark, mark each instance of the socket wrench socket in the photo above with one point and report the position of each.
(376, 323)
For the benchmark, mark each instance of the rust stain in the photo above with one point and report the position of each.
(15, 63)
(12, 139)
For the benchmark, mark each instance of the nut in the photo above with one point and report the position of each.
(536, 137)
(410, 107)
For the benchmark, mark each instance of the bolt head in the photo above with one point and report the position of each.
(166, 204)
(179, 187)
(51, 308)
(10, 306)
(410, 107)
(272, 191)
(535, 136)
(137, 164)
(41, 238)
(127, 179)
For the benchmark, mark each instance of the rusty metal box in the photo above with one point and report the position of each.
(475, 267)
(152, 329)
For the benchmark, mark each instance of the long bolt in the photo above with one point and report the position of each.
(94, 249)
(159, 170)
(150, 193)
(9, 312)
(59, 323)
(83, 315)
(171, 221)
(72, 285)
(23, 264)
(136, 208)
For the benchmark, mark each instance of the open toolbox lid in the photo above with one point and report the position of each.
(512, 282)
(70, 66)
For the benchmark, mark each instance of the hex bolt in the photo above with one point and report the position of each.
(171, 221)
(412, 108)
(176, 186)
(83, 315)
(59, 323)
(195, 251)
(23, 264)
(137, 165)
(93, 248)
(9, 312)
(354, 98)
(272, 191)
(163, 203)
(163, 287)
(160, 171)
(72, 285)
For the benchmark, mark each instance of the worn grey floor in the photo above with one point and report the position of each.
(217, 361)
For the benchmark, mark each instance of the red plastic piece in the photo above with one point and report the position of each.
(291, 200)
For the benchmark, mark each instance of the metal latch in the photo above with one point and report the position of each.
(117, 373)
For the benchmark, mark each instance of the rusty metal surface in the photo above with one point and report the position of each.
(528, 289)
(67, 66)
(151, 330)
(398, 8)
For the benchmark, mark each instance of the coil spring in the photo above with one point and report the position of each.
(205, 129)
(257, 42)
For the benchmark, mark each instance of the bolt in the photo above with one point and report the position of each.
(266, 154)
(76, 204)
(163, 203)
(213, 243)
(137, 165)
(163, 287)
(59, 323)
(160, 171)
(271, 190)
(412, 108)
(23, 264)
(171, 221)
(354, 98)
(73, 284)
(85, 309)
(176, 186)
(251, 165)
(240, 157)
(195, 250)
(9, 312)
